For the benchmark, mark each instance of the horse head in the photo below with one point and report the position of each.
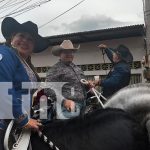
(134, 99)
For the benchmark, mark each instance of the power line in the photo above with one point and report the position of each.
(28, 8)
(14, 2)
(10, 5)
(1, 7)
(61, 14)
(11, 12)
(20, 11)
(2, 1)
(18, 7)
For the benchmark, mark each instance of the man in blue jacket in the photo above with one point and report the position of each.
(119, 75)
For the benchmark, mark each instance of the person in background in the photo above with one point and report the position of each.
(66, 71)
(146, 64)
(15, 67)
(119, 75)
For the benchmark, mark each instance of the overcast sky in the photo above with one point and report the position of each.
(89, 15)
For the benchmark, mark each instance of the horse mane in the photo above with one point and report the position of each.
(134, 99)
(88, 119)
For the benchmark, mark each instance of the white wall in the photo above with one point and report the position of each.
(90, 54)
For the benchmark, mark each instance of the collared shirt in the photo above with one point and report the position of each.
(71, 74)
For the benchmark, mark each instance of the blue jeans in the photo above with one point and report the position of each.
(65, 114)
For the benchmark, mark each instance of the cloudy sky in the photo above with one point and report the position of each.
(89, 15)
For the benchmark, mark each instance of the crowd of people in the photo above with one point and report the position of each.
(16, 67)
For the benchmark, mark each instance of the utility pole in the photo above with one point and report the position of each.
(146, 58)
(146, 6)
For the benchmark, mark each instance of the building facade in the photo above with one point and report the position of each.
(90, 58)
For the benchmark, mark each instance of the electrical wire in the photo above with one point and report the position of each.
(2, 1)
(14, 9)
(18, 8)
(13, 3)
(1, 7)
(21, 9)
(28, 9)
(61, 14)
(9, 6)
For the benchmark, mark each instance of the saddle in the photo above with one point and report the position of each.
(16, 140)
(19, 139)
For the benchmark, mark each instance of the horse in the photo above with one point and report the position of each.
(104, 129)
(134, 99)
(122, 124)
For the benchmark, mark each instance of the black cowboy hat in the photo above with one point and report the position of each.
(125, 53)
(10, 26)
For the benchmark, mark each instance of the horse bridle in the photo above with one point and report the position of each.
(24, 139)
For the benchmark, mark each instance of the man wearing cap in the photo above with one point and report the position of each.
(119, 75)
(65, 70)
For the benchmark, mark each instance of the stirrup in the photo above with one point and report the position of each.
(21, 143)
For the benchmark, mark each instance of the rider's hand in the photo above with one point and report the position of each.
(69, 104)
(102, 46)
(91, 83)
(33, 124)
(97, 82)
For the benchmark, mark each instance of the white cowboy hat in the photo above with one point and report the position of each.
(65, 45)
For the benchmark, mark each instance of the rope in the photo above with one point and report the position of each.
(103, 54)
(96, 93)
(47, 140)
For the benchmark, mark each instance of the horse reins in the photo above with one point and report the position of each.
(96, 93)
(47, 141)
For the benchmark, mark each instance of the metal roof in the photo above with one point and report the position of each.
(99, 35)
